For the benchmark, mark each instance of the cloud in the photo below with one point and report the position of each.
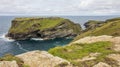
(60, 7)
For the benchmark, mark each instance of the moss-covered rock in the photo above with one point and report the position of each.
(45, 28)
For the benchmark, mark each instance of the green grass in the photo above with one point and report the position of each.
(27, 25)
(9, 57)
(78, 51)
(109, 28)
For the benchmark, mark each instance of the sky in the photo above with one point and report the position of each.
(60, 7)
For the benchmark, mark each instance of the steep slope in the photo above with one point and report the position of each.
(45, 28)
(92, 51)
(109, 27)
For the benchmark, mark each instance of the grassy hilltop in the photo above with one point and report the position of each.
(49, 27)
(109, 27)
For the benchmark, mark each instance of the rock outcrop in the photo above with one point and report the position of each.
(8, 64)
(43, 59)
(45, 28)
(91, 24)
(101, 64)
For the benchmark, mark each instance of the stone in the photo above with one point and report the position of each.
(8, 64)
(42, 59)
(101, 64)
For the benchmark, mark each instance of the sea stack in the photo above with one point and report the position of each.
(45, 28)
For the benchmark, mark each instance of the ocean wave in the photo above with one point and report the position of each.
(19, 45)
(2, 36)
(37, 39)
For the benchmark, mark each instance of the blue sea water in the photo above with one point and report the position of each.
(18, 47)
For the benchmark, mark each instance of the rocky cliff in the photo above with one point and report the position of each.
(45, 28)
(97, 28)
(91, 24)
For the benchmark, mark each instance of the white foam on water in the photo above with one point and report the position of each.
(19, 45)
(37, 39)
(5, 38)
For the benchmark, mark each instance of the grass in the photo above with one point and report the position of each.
(109, 28)
(25, 25)
(78, 51)
(9, 57)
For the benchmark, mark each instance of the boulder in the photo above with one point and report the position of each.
(101, 64)
(43, 59)
(8, 64)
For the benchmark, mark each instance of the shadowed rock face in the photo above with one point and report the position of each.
(45, 28)
(91, 24)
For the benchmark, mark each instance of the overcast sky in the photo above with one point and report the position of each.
(59, 7)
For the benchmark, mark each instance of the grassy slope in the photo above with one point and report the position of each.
(78, 51)
(109, 28)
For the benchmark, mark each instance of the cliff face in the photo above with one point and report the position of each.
(45, 28)
(91, 24)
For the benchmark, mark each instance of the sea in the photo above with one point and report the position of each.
(17, 47)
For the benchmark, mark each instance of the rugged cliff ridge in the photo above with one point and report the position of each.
(45, 28)
(91, 24)
(97, 28)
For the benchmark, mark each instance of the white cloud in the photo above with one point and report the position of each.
(64, 7)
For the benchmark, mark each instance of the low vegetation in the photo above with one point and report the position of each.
(78, 51)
